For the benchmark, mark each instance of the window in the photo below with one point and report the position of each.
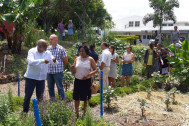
(164, 24)
(137, 23)
(170, 24)
(130, 23)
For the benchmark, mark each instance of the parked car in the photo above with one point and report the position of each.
(9, 28)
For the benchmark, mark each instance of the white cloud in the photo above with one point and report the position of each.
(123, 8)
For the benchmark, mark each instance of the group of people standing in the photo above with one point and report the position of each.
(155, 59)
(47, 63)
(61, 30)
(85, 67)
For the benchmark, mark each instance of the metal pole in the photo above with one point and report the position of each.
(146, 42)
(36, 112)
(18, 85)
(101, 93)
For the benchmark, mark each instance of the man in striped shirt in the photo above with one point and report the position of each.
(55, 73)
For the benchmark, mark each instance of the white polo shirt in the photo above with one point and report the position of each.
(105, 57)
(37, 69)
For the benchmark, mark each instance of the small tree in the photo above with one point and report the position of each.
(142, 106)
(167, 102)
(163, 11)
(174, 91)
(149, 93)
(109, 95)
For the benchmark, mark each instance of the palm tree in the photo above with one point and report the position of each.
(163, 11)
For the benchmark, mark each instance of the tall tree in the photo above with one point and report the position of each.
(163, 11)
(82, 13)
(19, 12)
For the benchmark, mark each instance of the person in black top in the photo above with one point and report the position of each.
(92, 53)
(165, 66)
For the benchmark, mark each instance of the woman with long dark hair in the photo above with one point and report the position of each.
(113, 66)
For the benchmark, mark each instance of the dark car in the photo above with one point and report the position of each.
(182, 39)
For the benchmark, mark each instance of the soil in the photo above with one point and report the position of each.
(126, 111)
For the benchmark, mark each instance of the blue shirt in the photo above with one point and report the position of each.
(93, 54)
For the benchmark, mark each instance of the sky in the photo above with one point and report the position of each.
(119, 9)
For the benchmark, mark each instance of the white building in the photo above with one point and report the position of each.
(134, 26)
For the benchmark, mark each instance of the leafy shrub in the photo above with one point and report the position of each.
(138, 67)
(138, 52)
(134, 80)
(10, 100)
(181, 61)
(12, 119)
(147, 83)
(4, 108)
(89, 120)
(67, 79)
(69, 96)
(109, 95)
(56, 113)
(120, 92)
(95, 100)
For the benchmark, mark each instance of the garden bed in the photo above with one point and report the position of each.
(126, 110)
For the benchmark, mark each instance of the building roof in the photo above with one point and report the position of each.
(122, 25)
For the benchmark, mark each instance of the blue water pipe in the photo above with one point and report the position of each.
(36, 112)
(101, 93)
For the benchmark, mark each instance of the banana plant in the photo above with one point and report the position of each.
(17, 12)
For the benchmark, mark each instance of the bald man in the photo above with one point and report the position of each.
(55, 73)
(36, 73)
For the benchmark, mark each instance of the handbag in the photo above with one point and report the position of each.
(94, 88)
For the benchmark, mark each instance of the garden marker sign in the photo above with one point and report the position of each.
(101, 93)
(36, 112)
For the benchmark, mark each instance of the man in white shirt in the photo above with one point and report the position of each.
(36, 73)
(104, 63)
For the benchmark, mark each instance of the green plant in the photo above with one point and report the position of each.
(172, 92)
(69, 96)
(134, 80)
(90, 120)
(147, 83)
(95, 100)
(67, 79)
(142, 106)
(109, 95)
(57, 112)
(12, 119)
(149, 93)
(181, 61)
(4, 108)
(167, 102)
(10, 100)
(156, 77)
